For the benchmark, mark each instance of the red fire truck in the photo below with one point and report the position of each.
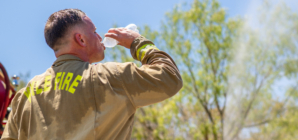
(7, 92)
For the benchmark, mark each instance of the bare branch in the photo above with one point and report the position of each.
(210, 57)
(198, 95)
(257, 124)
(240, 126)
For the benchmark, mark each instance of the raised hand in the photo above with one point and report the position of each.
(124, 36)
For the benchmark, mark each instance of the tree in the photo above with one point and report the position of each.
(229, 71)
(281, 122)
(201, 38)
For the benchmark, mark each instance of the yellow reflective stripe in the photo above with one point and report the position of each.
(147, 49)
(38, 90)
(47, 83)
(67, 80)
(32, 88)
(75, 84)
(138, 51)
(27, 93)
(57, 79)
(142, 50)
(60, 84)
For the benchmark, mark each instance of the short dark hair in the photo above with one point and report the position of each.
(58, 24)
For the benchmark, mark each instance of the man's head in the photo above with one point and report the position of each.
(70, 31)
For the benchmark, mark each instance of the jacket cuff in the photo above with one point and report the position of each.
(136, 46)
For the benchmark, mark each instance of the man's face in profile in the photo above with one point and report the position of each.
(95, 49)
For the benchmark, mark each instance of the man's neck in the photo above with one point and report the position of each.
(72, 51)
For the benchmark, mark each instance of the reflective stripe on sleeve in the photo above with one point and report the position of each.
(144, 49)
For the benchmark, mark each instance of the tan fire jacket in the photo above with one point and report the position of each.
(79, 101)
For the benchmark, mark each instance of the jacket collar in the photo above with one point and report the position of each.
(66, 57)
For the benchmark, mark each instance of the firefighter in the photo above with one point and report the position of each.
(75, 99)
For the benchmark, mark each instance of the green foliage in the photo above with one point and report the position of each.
(201, 39)
(230, 72)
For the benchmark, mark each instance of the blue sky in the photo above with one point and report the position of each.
(22, 45)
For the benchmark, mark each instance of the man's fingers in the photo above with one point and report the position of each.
(114, 30)
(119, 43)
(111, 35)
(120, 28)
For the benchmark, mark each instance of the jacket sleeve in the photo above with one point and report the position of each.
(11, 129)
(156, 80)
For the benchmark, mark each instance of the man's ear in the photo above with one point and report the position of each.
(80, 40)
